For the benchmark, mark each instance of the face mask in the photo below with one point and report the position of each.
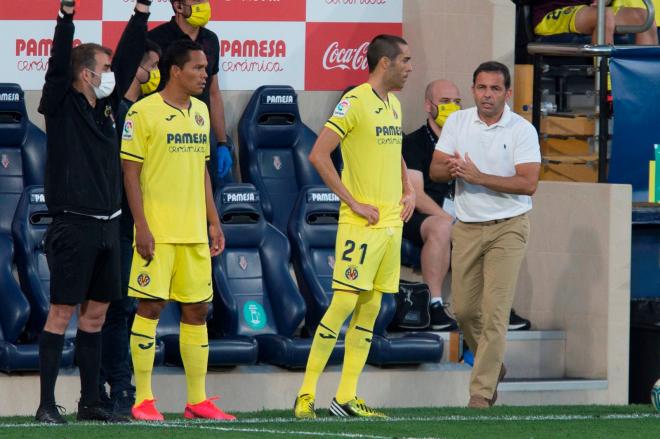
(200, 14)
(152, 83)
(107, 85)
(444, 110)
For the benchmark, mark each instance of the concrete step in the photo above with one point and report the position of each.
(263, 387)
(566, 391)
(529, 354)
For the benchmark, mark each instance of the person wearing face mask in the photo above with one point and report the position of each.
(115, 364)
(188, 23)
(430, 225)
(81, 95)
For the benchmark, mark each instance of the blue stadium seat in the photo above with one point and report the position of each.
(274, 144)
(22, 147)
(16, 312)
(22, 163)
(411, 255)
(28, 228)
(223, 352)
(255, 293)
(312, 232)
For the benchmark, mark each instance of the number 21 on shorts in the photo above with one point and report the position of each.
(349, 249)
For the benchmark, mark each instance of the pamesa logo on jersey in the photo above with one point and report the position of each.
(187, 142)
(388, 134)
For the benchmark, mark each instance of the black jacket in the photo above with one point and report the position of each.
(83, 172)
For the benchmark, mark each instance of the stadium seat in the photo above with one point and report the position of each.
(255, 293)
(312, 231)
(223, 352)
(274, 144)
(22, 150)
(28, 228)
(410, 254)
(16, 312)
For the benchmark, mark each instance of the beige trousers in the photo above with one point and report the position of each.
(485, 262)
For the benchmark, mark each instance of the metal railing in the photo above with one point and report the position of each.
(601, 52)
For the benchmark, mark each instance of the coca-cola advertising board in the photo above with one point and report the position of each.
(308, 44)
(337, 53)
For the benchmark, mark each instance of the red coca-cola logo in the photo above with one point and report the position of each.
(337, 57)
(336, 53)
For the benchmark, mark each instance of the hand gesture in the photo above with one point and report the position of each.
(367, 211)
(408, 203)
(144, 242)
(217, 244)
(464, 169)
(68, 6)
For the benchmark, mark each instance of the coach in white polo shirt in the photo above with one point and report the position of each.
(494, 156)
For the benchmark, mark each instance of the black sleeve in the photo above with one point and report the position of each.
(128, 56)
(58, 75)
(215, 68)
(411, 153)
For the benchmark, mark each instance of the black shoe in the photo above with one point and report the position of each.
(440, 321)
(106, 401)
(96, 412)
(51, 414)
(123, 402)
(517, 323)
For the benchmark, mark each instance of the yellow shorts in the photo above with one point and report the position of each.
(618, 4)
(559, 21)
(367, 259)
(178, 272)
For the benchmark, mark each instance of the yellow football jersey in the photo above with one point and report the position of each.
(370, 129)
(173, 146)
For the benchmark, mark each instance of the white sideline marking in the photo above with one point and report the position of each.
(209, 425)
(201, 426)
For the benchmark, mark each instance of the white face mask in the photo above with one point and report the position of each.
(107, 85)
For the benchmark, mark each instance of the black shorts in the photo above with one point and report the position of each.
(412, 230)
(84, 259)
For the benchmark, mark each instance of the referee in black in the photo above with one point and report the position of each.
(83, 89)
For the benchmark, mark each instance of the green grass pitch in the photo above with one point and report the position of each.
(621, 422)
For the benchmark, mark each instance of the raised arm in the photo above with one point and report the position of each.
(58, 75)
(130, 50)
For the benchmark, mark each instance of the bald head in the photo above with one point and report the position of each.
(441, 90)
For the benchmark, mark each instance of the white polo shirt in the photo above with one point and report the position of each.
(495, 150)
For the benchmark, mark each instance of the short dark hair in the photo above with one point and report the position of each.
(383, 45)
(493, 66)
(177, 54)
(84, 57)
(151, 46)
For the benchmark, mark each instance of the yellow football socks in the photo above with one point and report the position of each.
(194, 346)
(358, 343)
(143, 351)
(342, 305)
